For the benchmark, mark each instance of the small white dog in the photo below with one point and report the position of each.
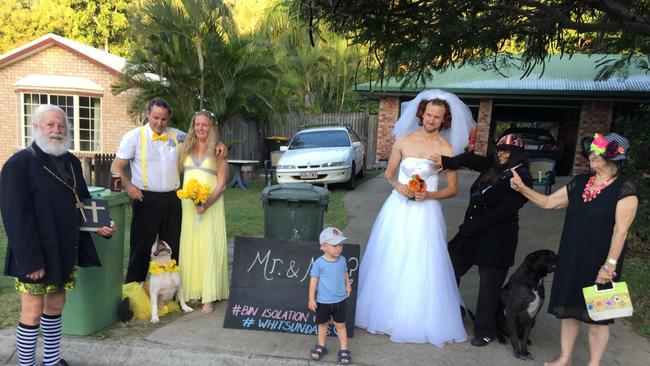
(164, 280)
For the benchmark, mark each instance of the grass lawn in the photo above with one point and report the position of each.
(244, 216)
(636, 272)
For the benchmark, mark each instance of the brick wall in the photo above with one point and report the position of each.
(595, 116)
(57, 61)
(388, 115)
(483, 126)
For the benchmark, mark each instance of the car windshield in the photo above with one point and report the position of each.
(536, 136)
(310, 140)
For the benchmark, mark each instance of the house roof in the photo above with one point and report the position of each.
(112, 63)
(566, 76)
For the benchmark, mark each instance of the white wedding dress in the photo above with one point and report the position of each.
(406, 281)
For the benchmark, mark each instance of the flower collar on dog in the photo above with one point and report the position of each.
(156, 268)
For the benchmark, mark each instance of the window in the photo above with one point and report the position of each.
(84, 113)
(315, 139)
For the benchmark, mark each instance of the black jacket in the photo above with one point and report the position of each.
(489, 233)
(41, 219)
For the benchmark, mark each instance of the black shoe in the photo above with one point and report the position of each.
(124, 312)
(480, 341)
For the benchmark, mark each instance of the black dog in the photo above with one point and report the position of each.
(521, 299)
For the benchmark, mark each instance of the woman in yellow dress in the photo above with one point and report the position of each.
(203, 257)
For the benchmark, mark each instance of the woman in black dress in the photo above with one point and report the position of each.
(600, 206)
(489, 233)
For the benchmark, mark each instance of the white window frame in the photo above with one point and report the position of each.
(74, 120)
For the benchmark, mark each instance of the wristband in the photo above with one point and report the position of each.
(604, 268)
(612, 261)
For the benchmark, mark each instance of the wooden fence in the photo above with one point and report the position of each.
(97, 169)
(246, 138)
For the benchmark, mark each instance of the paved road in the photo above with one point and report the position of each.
(196, 339)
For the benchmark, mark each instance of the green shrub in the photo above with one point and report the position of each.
(636, 127)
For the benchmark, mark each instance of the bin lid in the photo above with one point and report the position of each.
(98, 192)
(113, 198)
(296, 192)
(277, 138)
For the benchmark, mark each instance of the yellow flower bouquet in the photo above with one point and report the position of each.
(196, 192)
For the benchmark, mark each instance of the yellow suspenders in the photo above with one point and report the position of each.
(143, 147)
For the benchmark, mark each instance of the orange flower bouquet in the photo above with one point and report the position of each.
(196, 192)
(417, 184)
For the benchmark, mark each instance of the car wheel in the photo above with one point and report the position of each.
(362, 172)
(353, 179)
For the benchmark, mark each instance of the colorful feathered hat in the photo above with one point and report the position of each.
(612, 146)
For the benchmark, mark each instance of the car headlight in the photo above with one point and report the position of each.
(286, 167)
(336, 163)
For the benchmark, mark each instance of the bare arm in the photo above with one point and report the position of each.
(217, 191)
(221, 150)
(313, 282)
(557, 199)
(132, 191)
(625, 213)
(348, 284)
(391, 170)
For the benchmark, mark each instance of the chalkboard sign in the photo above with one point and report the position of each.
(270, 286)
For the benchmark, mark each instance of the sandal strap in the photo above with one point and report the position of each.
(319, 349)
(345, 357)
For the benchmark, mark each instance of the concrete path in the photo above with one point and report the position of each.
(196, 339)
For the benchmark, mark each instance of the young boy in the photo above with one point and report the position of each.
(328, 288)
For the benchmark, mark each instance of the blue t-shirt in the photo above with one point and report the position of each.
(331, 279)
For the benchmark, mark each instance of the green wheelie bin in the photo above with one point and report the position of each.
(294, 211)
(92, 305)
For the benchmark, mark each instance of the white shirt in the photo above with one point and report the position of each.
(161, 156)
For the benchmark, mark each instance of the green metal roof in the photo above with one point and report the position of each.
(569, 76)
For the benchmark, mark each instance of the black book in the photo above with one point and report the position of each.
(97, 214)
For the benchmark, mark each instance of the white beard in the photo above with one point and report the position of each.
(52, 148)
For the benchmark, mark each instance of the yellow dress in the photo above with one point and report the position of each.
(203, 256)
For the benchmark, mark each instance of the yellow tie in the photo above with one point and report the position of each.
(161, 137)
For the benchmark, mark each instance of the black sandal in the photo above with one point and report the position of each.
(345, 357)
(318, 352)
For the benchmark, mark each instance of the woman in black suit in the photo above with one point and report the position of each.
(488, 236)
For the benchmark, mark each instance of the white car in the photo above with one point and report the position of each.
(323, 155)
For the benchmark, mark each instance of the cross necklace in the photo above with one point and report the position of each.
(73, 188)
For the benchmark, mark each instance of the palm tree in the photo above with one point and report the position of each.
(322, 75)
(196, 21)
(190, 53)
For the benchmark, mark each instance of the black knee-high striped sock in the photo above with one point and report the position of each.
(26, 336)
(51, 329)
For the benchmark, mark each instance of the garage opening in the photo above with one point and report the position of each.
(549, 128)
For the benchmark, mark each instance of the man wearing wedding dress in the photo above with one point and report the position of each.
(407, 287)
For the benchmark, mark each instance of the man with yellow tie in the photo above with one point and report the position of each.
(152, 153)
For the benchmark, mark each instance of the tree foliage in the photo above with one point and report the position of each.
(98, 23)
(248, 13)
(635, 127)
(102, 24)
(23, 21)
(320, 78)
(417, 35)
(189, 52)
